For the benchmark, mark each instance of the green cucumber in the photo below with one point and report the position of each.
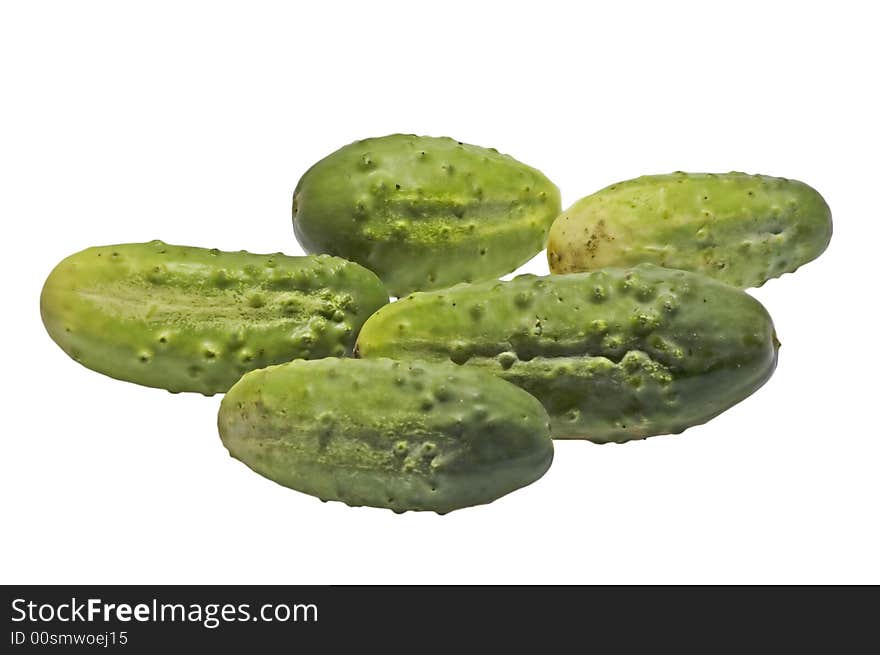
(614, 355)
(405, 436)
(192, 319)
(423, 212)
(741, 229)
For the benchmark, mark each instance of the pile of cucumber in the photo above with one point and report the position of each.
(451, 395)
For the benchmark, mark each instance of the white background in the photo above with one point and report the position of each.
(189, 122)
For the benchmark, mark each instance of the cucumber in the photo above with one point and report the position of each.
(192, 319)
(741, 229)
(614, 355)
(404, 436)
(423, 212)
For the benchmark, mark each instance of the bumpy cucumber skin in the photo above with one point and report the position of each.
(404, 436)
(192, 319)
(424, 212)
(614, 355)
(738, 228)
